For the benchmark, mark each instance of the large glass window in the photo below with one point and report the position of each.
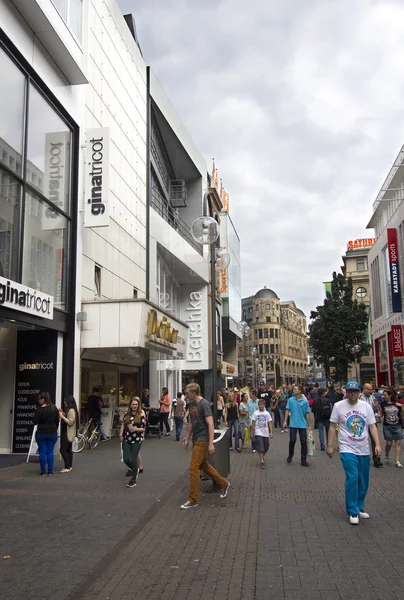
(12, 100)
(10, 192)
(45, 250)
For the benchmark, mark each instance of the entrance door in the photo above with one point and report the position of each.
(8, 344)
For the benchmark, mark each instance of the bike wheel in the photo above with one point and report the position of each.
(94, 439)
(78, 443)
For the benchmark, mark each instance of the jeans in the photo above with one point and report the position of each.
(98, 423)
(46, 445)
(252, 438)
(357, 481)
(164, 420)
(179, 422)
(199, 462)
(281, 416)
(233, 424)
(323, 425)
(130, 453)
(303, 441)
(66, 452)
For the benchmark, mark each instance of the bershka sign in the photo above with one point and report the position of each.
(24, 299)
(194, 320)
(57, 159)
(397, 340)
(97, 178)
(394, 270)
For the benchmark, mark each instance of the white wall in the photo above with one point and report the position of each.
(116, 97)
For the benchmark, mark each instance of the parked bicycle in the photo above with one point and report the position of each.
(90, 436)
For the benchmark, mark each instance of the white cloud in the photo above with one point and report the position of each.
(302, 106)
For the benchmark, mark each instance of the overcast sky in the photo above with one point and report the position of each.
(301, 102)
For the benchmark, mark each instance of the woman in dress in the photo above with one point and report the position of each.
(68, 431)
(232, 421)
(47, 420)
(392, 429)
(131, 435)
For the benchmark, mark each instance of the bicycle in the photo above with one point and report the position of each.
(90, 436)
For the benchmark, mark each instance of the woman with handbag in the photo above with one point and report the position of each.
(232, 421)
(393, 415)
(131, 435)
(69, 425)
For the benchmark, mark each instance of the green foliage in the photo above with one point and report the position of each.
(337, 326)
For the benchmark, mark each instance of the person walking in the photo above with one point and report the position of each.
(262, 430)
(201, 427)
(232, 421)
(243, 412)
(322, 409)
(281, 403)
(131, 436)
(94, 411)
(69, 425)
(392, 428)
(178, 412)
(299, 411)
(165, 403)
(252, 407)
(220, 407)
(368, 397)
(355, 418)
(46, 418)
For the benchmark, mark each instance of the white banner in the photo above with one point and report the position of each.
(24, 299)
(56, 180)
(96, 187)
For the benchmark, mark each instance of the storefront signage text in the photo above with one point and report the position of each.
(397, 339)
(230, 369)
(161, 330)
(394, 270)
(24, 299)
(194, 318)
(365, 243)
(97, 178)
(57, 153)
(223, 277)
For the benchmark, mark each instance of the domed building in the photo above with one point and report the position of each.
(274, 350)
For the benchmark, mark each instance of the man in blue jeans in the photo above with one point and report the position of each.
(299, 410)
(355, 419)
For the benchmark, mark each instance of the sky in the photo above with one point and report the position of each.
(301, 103)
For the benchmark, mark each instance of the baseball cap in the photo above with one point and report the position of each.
(352, 385)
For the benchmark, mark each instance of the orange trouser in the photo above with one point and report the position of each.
(199, 461)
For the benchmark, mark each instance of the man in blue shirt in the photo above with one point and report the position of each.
(252, 406)
(299, 410)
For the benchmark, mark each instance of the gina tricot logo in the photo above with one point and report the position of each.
(39, 366)
(20, 297)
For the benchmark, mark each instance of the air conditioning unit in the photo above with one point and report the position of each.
(178, 193)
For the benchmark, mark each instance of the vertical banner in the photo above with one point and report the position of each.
(397, 340)
(394, 270)
(36, 372)
(96, 175)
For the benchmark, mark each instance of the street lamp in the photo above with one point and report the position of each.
(244, 329)
(205, 230)
(355, 349)
(254, 352)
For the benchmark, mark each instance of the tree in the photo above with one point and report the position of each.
(338, 325)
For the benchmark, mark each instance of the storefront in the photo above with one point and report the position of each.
(38, 175)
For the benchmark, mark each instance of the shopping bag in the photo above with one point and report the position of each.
(311, 447)
(247, 435)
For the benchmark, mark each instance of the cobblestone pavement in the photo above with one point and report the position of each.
(281, 533)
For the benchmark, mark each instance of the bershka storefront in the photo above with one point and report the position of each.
(38, 216)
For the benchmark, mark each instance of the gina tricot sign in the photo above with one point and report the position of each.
(97, 178)
(24, 299)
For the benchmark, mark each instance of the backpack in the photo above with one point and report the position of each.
(325, 409)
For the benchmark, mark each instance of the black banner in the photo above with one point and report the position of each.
(35, 373)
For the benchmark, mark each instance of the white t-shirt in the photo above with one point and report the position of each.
(353, 422)
(261, 418)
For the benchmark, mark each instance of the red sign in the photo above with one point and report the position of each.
(397, 340)
(366, 243)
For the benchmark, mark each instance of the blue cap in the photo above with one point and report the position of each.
(352, 385)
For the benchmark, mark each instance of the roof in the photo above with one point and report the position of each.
(266, 293)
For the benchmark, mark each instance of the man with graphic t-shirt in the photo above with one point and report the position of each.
(354, 419)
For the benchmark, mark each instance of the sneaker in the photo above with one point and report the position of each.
(177, 437)
(282, 431)
(262, 464)
(140, 470)
(322, 448)
(377, 463)
(354, 519)
(254, 451)
(304, 463)
(387, 460)
(364, 515)
(399, 465)
(289, 459)
(188, 504)
(129, 473)
(132, 483)
(167, 434)
(231, 449)
(238, 450)
(225, 490)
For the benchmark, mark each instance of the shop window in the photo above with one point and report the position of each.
(10, 191)
(11, 113)
(97, 281)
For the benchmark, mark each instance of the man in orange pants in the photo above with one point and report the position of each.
(200, 425)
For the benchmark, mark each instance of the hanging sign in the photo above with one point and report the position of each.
(397, 339)
(96, 175)
(394, 270)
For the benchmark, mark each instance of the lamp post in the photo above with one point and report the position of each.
(244, 329)
(254, 352)
(355, 349)
(205, 230)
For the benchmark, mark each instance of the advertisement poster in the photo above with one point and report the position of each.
(36, 372)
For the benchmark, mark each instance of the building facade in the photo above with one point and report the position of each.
(386, 277)
(275, 350)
